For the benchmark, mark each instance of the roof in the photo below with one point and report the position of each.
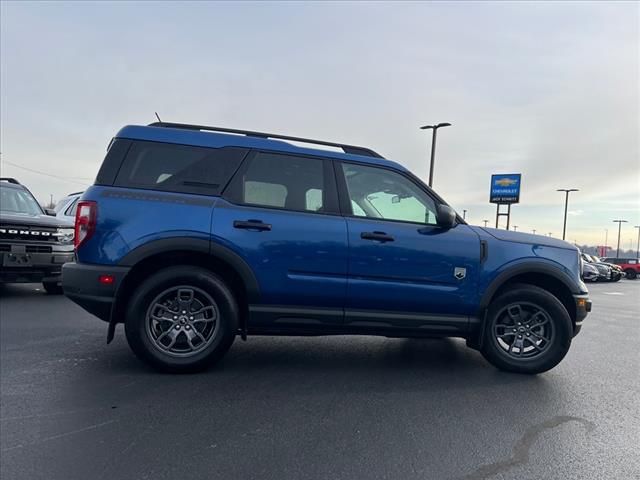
(215, 139)
(11, 182)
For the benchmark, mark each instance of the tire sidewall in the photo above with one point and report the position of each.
(52, 288)
(562, 326)
(149, 289)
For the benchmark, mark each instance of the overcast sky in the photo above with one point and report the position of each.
(548, 89)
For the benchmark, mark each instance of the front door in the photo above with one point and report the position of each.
(403, 267)
(280, 213)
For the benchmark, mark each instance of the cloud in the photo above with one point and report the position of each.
(527, 89)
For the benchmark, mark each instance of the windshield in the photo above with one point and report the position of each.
(61, 204)
(18, 201)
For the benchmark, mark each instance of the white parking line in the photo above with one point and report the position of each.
(612, 293)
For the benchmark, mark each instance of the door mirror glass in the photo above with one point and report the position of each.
(446, 216)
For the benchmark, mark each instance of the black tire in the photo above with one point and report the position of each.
(140, 329)
(548, 354)
(631, 274)
(52, 288)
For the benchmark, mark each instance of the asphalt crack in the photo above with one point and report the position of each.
(521, 449)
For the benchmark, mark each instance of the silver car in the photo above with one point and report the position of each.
(66, 208)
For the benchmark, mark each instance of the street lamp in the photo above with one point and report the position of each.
(566, 204)
(534, 231)
(638, 247)
(619, 222)
(485, 223)
(464, 214)
(515, 228)
(433, 146)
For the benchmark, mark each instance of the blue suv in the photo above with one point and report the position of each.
(192, 235)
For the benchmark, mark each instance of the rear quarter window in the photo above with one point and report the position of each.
(178, 168)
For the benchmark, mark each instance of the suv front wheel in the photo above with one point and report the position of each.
(181, 319)
(527, 330)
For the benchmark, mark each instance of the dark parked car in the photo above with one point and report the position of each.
(33, 244)
(192, 235)
(606, 272)
(616, 270)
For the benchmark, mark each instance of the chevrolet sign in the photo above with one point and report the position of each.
(505, 188)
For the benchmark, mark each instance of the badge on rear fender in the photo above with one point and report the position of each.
(460, 273)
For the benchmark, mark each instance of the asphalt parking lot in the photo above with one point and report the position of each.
(313, 408)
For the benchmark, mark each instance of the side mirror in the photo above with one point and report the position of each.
(50, 211)
(445, 216)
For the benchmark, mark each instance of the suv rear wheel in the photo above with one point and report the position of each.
(527, 330)
(181, 319)
(52, 288)
(631, 273)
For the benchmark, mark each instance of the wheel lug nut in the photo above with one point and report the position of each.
(187, 327)
(515, 329)
(175, 317)
(177, 327)
(190, 318)
(184, 311)
(519, 336)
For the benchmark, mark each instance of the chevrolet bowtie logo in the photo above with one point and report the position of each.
(506, 182)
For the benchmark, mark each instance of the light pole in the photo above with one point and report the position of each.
(534, 231)
(515, 228)
(433, 146)
(619, 222)
(464, 214)
(638, 246)
(566, 204)
(485, 223)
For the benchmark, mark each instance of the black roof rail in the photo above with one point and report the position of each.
(352, 149)
(10, 180)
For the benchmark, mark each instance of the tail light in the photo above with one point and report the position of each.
(86, 214)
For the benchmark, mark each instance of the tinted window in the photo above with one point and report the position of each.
(179, 168)
(281, 181)
(116, 152)
(381, 193)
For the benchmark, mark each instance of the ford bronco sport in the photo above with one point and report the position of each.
(33, 244)
(192, 235)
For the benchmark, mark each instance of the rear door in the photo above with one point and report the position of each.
(402, 266)
(280, 213)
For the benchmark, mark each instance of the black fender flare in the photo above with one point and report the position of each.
(527, 267)
(186, 244)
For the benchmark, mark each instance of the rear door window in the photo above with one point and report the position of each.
(285, 181)
(179, 168)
